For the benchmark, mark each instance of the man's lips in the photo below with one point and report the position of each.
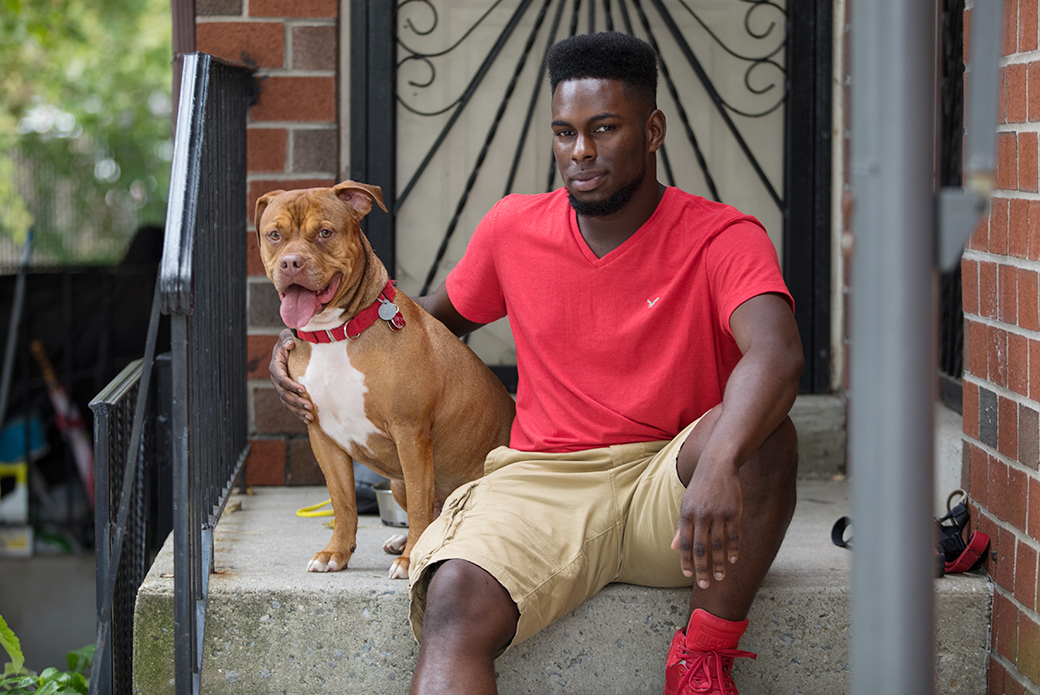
(587, 180)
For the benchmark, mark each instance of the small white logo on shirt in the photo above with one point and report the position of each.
(651, 303)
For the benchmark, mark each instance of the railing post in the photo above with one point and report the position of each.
(893, 360)
(203, 280)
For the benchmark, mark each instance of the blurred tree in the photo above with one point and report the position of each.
(85, 139)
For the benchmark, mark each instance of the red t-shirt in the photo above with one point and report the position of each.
(630, 347)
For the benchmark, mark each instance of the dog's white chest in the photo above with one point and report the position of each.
(338, 390)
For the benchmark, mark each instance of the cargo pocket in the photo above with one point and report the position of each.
(454, 510)
(498, 458)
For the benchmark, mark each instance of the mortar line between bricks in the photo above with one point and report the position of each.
(288, 21)
(289, 62)
(1009, 327)
(291, 72)
(1013, 261)
(1023, 58)
(263, 331)
(1019, 534)
(1018, 127)
(294, 125)
(1015, 194)
(276, 177)
(1012, 463)
(309, 21)
(1012, 670)
(237, 19)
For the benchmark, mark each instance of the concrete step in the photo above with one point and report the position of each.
(820, 422)
(272, 627)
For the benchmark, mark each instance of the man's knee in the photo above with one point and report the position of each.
(465, 602)
(784, 442)
(773, 469)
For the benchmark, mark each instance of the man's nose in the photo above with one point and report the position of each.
(584, 148)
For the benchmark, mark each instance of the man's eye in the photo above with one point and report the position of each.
(325, 233)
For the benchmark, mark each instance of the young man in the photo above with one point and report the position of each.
(658, 359)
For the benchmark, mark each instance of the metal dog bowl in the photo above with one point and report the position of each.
(389, 510)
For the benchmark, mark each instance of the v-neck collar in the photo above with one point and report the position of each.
(623, 248)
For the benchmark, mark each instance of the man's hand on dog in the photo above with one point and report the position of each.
(293, 395)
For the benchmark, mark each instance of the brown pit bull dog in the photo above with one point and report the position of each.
(391, 386)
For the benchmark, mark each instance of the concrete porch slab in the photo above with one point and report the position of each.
(272, 627)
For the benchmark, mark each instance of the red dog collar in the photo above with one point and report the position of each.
(383, 308)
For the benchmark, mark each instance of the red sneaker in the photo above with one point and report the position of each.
(701, 656)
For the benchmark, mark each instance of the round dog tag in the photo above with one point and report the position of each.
(388, 310)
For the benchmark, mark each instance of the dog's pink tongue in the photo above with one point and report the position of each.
(299, 304)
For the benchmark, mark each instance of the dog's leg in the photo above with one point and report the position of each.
(338, 468)
(416, 453)
(394, 545)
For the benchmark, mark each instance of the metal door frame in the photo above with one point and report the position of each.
(807, 157)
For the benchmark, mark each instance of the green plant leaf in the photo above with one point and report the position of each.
(11, 672)
(48, 689)
(21, 690)
(81, 659)
(11, 645)
(67, 682)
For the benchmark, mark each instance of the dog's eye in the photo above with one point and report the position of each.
(274, 235)
(325, 233)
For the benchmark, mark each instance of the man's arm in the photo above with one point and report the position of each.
(439, 306)
(757, 399)
(294, 396)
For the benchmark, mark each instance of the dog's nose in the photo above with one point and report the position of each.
(292, 263)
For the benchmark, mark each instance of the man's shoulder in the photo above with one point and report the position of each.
(713, 211)
(703, 221)
(532, 203)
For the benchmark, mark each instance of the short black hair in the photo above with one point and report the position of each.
(608, 55)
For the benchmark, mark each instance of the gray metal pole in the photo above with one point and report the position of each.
(893, 371)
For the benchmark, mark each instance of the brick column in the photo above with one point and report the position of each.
(293, 142)
(1000, 273)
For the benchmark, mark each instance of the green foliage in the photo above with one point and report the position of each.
(11, 645)
(85, 137)
(18, 680)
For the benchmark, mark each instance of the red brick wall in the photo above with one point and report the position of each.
(1002, 363)
(293, 142)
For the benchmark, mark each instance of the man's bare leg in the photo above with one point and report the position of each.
(767, 484)
(469, 617)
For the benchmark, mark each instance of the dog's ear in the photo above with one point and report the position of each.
(261, 205)
(359, 195)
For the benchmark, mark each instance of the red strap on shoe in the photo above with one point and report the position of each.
(976, 547)
(710, 668)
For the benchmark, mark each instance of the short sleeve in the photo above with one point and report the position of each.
(474, 286)
(741, 264)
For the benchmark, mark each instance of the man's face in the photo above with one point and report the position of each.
(600, 143)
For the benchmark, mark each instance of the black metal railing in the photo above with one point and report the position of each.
(202, 285)
(149, 507)
(202, 281)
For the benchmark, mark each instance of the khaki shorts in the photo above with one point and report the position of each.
(554, 529)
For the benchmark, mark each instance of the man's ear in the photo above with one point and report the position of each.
(656, 127)
(359, 195)
(261, 205)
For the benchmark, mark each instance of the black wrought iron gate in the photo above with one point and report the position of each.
(449, 111)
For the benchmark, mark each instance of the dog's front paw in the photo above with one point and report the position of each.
(394, 545)
(399, 570)
(328, 562)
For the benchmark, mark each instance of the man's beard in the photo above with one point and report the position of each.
(612, 203)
